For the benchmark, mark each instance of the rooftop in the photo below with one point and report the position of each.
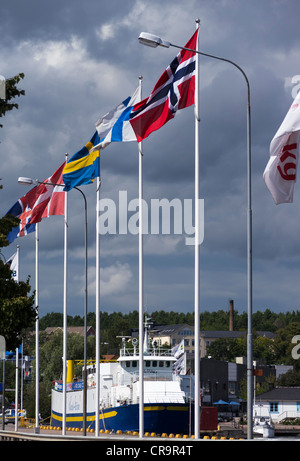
(280, 393)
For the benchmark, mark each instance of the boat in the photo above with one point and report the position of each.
(262, 424)
(10, 415)
(168, 399)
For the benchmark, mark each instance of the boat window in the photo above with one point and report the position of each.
(127, 364)
(167, 364)
(147, 363)
(134, 363)
(154, 363)
(160, 363)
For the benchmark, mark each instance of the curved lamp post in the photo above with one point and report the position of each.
(153, 41)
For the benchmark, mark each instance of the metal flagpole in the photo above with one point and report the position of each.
(37, 426)
(22, 379)
(17, 390)
(197, 253)
(97, 304)
(65, 314)
(141, 287)
(18, 263)
(17, 355)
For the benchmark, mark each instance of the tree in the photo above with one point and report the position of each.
(283, 344)
(11, 92)
(51, 364)
(17, 312)
(16, 307)
(227, 349)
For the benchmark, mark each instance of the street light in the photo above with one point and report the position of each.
(29, 181)
(153, 41)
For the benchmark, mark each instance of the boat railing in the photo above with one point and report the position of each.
(154, 352)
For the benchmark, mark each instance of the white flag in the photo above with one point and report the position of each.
(280, 172)
(13, 263)
(178, 350)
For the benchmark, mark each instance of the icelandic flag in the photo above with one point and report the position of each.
(174, 90)
(115, 126)
(46, 199)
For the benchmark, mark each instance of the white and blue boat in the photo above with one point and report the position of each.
(168, 401)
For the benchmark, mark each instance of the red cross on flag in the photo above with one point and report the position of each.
(280, 172)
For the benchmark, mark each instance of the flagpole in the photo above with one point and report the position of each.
(141, 286)
(197, 251)
(17, 390)
(22, 378)
(65, 314)
(37, 426)
(97, 304)
(18, 263)
(17, 353)
(17, 356)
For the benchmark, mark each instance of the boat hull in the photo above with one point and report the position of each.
(159, 418)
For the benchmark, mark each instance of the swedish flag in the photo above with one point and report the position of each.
(84, 166)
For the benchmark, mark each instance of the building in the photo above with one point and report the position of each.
(175, 334)
(280, 403)
(221, 381)
(90, 331)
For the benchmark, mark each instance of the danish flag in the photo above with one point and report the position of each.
(46, 199)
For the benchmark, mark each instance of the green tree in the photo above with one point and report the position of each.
(283, 344)
(227, 349)
(12, 91)
(52, 350)
(17, 312)
(16, 306)
(263, 349)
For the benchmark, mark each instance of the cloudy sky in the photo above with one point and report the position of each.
(81, 59)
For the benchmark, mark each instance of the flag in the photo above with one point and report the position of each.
(84, 166)
(178, 350)
(115, 126)
(174, 90)
(281, 169)
(46, 199)
(13, 263)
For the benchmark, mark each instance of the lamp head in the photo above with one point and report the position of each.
(152, 40)
(27, 181)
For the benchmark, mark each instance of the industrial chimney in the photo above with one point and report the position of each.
(231, 315)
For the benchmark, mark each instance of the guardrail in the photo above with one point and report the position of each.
(11, 436)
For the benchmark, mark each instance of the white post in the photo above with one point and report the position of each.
(197, 253)
(65, 314)
(37, 426)
(141, 287)
(18, 263)
(97, 305)
(17, 390)
(22, 379)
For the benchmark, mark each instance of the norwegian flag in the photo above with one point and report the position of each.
(174, 90)
(40, 202)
